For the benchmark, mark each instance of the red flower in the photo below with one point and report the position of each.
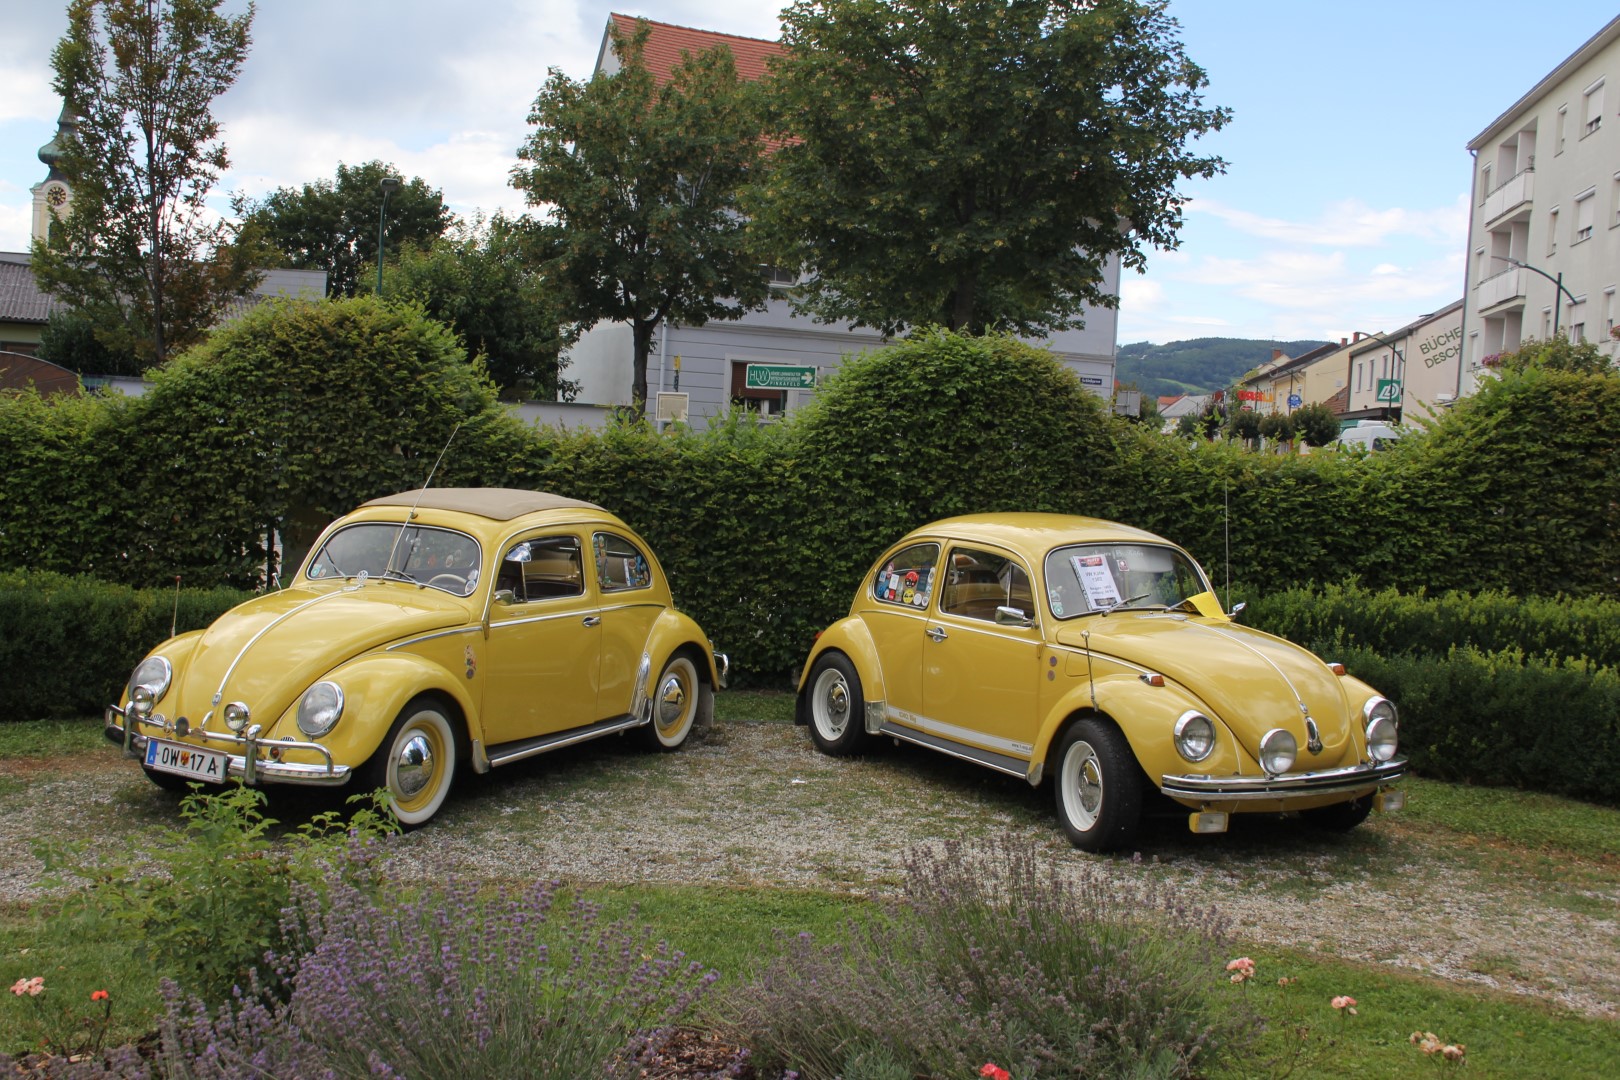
(99, 995)
(995, 1072)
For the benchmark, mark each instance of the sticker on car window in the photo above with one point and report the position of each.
(1092, 570)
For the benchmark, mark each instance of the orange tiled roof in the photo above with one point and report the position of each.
(667, 42)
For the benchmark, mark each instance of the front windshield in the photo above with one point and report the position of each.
(439, 558)
(1088, 578)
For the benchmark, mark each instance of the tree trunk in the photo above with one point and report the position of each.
(642, 330)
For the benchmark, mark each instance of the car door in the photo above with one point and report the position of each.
(896, 613)
(981, 677)
(629, 606)
(545, 640)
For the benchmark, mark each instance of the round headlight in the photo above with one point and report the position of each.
(1277, 750)
(140, 701)
(1383, 728)
(154, 673)
(319, 709)
(236, 716)
(1195, 736)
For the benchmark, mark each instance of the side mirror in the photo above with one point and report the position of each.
(505, 596)
(1237, 609)
(1011, 616)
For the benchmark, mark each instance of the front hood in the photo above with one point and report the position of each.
(266, 652)
(1251, 680)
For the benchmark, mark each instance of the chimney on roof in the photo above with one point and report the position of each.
(1343, 342)
(1276, 354)
(1358, 335)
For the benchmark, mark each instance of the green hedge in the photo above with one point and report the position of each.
(69, 643)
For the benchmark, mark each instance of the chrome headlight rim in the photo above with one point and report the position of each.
(1278, 751)
(320, 708)
(154, 674)
(1193, 729)
(236, 715)
(1380, 706)
(1382, 728)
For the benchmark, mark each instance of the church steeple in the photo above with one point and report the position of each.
(51, 195)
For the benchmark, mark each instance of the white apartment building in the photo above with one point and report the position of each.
(1544, 229)
(1407, 373)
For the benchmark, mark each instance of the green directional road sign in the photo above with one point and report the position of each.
(1389, 391)
(780, 377)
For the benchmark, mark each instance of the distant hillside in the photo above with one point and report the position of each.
(1197, 366)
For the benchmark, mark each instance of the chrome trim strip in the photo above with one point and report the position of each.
(988, 758)
(630, 607)
(429, 637)
(219, 695)
(530, 747)
(1296, 785)
(956, 734)
(540, 618)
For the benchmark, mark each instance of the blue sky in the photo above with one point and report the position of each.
(1343, 207)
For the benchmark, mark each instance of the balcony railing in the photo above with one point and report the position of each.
(1511, 194)
(1500, 288)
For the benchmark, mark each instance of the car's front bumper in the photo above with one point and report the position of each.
(258, 759)
(1286, 788)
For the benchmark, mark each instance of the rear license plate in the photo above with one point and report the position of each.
(209, 766)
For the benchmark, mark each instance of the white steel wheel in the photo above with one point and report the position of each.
(837, 706)
(1098, 787)
(674, 704)
(416, 763)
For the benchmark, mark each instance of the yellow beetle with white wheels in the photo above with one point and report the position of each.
(428, 632)
(1095, 656)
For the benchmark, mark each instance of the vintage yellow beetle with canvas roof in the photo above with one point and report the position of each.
(1097, 656)
(428, 631)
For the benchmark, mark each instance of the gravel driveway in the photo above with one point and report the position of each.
(750, 803)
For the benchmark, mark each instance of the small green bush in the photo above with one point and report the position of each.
(998, 954)
(210, 901)
(70, 642)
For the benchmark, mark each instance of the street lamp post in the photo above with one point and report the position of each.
(1400, 357)
(387, 185)
(1558, 283)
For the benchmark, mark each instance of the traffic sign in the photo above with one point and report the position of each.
(1389, 391)
(1294, 400)
(780, 377)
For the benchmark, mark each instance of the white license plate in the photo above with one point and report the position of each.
(209, 766)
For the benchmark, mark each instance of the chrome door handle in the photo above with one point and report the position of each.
(937, 633)
(593, 620)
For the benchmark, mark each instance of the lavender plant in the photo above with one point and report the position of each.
(452, 984)
(1000, 953)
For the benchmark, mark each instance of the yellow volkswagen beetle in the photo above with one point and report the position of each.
(1096, 655)
(428, 631)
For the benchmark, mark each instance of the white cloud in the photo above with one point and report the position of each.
(1347, 223)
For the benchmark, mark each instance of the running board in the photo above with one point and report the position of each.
(988, 758)
(506, 753)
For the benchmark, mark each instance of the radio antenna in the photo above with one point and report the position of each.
(419, 493)
(174, 620)
(1226, 523)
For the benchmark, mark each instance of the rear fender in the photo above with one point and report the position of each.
(850, 637)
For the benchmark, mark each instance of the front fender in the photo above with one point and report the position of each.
(851, 637)
(376, 687)
(1147, 716)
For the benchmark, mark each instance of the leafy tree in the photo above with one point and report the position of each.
(976, 163)
(1316, 424)
(480, 281)
(139, 252)
(332, 225)
(70, 339)
(1277, 427)
(1554, 354)
(641, 179)
(1243, 424)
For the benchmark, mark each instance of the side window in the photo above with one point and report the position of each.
(542, 568)
(907, 579)
(977, 582)
(620, 565)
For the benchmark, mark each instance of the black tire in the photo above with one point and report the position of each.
(837, 707)
(1340, 816)
(674, 704)
(1097, 786)
(167, 781)
(416, 763)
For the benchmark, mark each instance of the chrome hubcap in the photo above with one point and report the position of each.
(834, 704)
(413, 769)
(1083, 784)
(671, 702)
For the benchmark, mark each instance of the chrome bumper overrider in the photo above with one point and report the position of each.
(722, 667)
(1290, 786)
(249, 765)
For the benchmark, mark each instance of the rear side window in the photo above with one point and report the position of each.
(907, 577)
(620, 565)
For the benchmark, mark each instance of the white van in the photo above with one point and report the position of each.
(1369, 435)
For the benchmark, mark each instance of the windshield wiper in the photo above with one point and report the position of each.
(1116, 605)
(400, 574)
